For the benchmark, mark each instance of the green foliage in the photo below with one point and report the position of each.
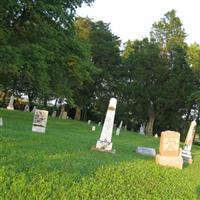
(60, 164)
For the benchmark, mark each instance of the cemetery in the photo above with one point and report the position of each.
(102, 104)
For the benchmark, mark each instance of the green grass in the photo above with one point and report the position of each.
(61, 165)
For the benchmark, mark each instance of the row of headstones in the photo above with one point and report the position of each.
(170, 153)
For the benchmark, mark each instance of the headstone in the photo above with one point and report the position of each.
(34, 109)
(104, 143)
(142, 128)
(40, 121)
(93, 128)
(170, 153)
(146, 151)
(1, 121)
(186, 153)
(26, 108)
(54, 113)
(99, 124)
(78, 113)
(156, 135)
(10, 105)
(89, 122)
(119, 128)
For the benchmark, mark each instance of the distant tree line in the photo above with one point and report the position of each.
(48, 53)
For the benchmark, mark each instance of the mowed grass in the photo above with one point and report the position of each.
(61, 165)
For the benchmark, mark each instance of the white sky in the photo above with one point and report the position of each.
(132, 19)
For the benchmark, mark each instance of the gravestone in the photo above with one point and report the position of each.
(1, 121)
(142, 128)
(119, 128)
(99, 124)
(104, 143)
(54, 113)
(186, 153)
(156, 135)
(170, 153)
(89, 122)
(26, 108)
(10, 105)
(146, 151)
(40, 121)
(93, 128)
(34, 109)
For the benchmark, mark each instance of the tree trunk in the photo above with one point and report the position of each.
(78, 113)
(150, 123)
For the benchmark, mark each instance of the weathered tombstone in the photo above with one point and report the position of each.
(54, 113)
(34, 109)
(40, 121)
(146, 151)
(104, 143)
(142, 128)
(186, 153)
(119, 128)
(10, 105)
(89, 122)
(93, 128)
(26, 108)
(170, 153)
(78, 114)
(1, 121)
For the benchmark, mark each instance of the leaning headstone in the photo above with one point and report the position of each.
(40, 121)
(26, 108)
(10, 105)
(89, 122)
(186, 153)
(54, 113)
(104, 143)
(93, 128)
(119, 128)
(34, 109)
(1, 121)
(170, 153)
(142, 128)
(146, 151)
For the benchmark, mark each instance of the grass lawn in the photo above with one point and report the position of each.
(60, 164)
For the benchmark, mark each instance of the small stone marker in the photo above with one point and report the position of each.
(26, 108)
(119, 128)
(170, 153)
(93, 128)
(156, 135)
(89, 122)
(54, 113)
(10, 105)
(146, 151)
(34, 109)
(104, 143)
(1, 121)
(142, 128)
(186, 153)
(40, 121)
(99, 124)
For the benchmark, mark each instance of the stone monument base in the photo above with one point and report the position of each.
(104, 145)
(10, 108)
(103, 150)
(38, 129)
(170, 161)
(187, 157)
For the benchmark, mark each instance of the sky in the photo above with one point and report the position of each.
(133, 19)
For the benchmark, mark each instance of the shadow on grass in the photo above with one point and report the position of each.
(198, 192)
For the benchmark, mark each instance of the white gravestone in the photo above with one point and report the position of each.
(142, 128)
(40, 121)
(93, 128)
(146, 151)
(54, 113)
(119, 128)
(89, 122)
(1, 121)
(26, 108)
(10, 105)
(99, 124)
(104, 143)
(186, 152)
